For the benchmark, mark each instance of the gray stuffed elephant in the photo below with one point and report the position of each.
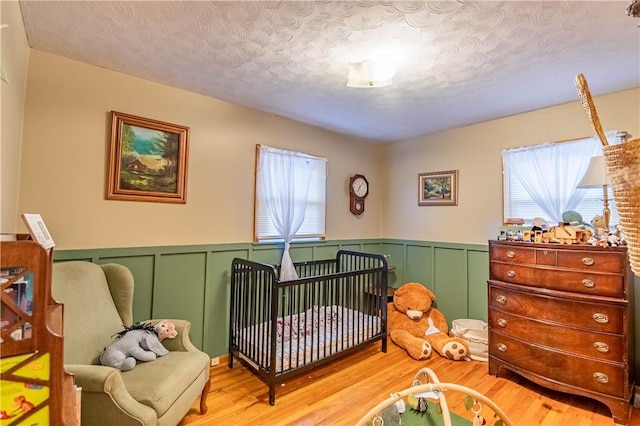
(138, 342)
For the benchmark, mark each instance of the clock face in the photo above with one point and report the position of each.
(360, 187)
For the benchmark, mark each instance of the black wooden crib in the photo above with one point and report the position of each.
(278, 329)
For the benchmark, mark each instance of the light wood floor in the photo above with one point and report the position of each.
(342, 392)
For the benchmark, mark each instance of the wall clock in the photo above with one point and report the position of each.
(358, 191)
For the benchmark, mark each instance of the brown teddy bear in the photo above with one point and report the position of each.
(417, 327)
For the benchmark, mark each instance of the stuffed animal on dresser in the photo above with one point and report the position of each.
(419, 328)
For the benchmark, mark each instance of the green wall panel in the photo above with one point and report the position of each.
(420, 265)
(267, 254)
(351, 247)
(451, 283)
(217, 300)
(369, 247)
(179, 290)
(327, 251)
(478, 273)
(395, 256)
(301, 254)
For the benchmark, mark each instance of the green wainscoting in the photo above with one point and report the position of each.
(456, 273)
(192, 282)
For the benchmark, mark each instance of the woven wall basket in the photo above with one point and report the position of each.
(623, 164)
(623, 168)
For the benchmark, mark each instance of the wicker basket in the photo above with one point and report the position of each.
(623, 166)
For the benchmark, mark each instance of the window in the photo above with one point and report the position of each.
(281, 175)
(541, 180)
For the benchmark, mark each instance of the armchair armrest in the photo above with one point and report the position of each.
(181, 342)
(97, 380)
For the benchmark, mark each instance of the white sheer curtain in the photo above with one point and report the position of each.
(285, 178)
(550, 172)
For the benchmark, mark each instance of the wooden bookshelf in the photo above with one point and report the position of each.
(36, 390)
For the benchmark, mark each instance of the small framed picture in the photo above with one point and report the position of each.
(438, 188)
(147, 160)
(38, 230)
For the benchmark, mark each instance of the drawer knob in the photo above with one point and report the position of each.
(511, 254)
(601, 347)
(588, 283)
(588, 261)
(601, 377)
(501, 299)
(511, 273)
(600, 318)
(502, 322)
(502, 347)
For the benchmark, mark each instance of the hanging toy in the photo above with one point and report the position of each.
(478, 420)
(418, 403)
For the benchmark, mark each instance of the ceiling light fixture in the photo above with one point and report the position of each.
(371, 73)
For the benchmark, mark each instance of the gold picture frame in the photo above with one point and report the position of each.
(147, 160)
(438, 188)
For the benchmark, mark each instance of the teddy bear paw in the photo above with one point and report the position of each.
(455, 351)
(426, 350)
(419, 352)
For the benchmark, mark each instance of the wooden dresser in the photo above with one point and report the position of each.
(562, 316)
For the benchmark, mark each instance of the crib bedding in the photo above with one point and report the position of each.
(309, 336)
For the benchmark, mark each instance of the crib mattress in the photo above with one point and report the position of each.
(309, 336)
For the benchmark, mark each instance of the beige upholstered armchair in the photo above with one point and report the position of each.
(97, 303)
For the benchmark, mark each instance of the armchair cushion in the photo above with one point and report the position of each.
(154, 383)
(98, 301)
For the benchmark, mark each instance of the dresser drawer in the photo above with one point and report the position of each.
(513, 254)
(562, 311)
(590, 260)
(511, 273)
(584, 282)
(546, 257)
(598, 376)
(597, 284)
(580, 342)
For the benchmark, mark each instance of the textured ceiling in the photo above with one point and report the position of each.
(462, 62)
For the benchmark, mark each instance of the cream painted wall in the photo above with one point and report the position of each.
(475, 152)
(15, 56)
(66, 133)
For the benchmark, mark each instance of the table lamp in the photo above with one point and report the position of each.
(597, 176)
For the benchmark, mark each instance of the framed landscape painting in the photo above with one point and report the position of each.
(438, 188)
(147, 160)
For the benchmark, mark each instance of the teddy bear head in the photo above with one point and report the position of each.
(166, 330)
(413, 299)
(598, 221)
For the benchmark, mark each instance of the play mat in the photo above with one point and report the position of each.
(425, 404)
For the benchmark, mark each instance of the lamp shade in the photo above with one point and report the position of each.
(596, 175)
(371, 73)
